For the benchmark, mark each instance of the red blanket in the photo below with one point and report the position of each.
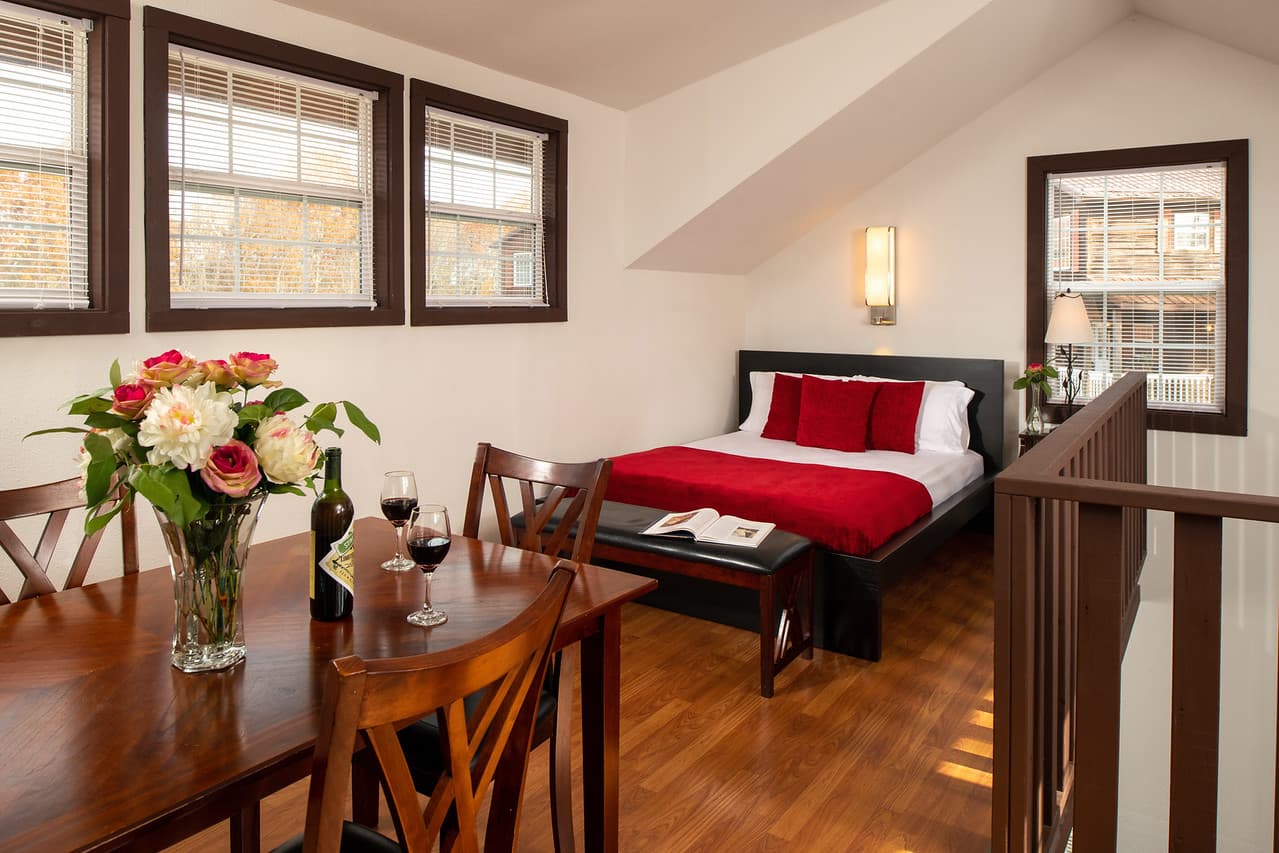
(853, 512)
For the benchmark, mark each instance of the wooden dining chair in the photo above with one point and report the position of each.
(484, 745)
(576, 489)
(56, 500)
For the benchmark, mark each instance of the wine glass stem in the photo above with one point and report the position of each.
(400, 530)
(426, 604)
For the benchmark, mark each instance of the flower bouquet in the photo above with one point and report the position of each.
(1036, 378)
(185, 435)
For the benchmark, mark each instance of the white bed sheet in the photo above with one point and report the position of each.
(943, 474)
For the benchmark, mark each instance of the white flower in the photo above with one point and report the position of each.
(184, 424)
(287, 454)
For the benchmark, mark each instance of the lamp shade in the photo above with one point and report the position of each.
(880, 260)
(1069, 322)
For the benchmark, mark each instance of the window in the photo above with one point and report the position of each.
(487, 210)
(273, 196)
(63, 227)
(1155, 239)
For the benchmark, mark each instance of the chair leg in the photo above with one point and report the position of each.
(562, 755)
(365, 799)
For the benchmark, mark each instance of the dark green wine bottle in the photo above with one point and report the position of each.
(332, 545)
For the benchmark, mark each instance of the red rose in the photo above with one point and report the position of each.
(1035, 366)
(131, 399)
(232, 469)
(218, 372)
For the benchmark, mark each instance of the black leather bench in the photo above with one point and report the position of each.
(780, 570)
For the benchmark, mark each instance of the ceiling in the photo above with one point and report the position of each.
(625, 53)
(621, 53)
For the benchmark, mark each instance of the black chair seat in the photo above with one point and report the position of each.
(355, 839)
(421, 740)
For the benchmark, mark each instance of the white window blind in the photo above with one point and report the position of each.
(270, 187)
(1146, 248)
(43, 160)
(484, 228)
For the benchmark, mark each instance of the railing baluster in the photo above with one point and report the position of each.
(1196, 682)
(1097, 700)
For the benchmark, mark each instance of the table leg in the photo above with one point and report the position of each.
(601, 713)
(246, 829)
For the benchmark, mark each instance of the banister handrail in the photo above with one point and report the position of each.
(1165, 498)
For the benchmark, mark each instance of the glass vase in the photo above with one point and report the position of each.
(1035, 417)
(207, 558)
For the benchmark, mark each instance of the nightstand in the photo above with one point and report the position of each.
(1028, 440)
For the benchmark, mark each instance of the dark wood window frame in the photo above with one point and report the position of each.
(162, 28)
(108, 181)
(1234, 153)
(554, 215)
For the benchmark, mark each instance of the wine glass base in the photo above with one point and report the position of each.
(426, 618)
(398, 563)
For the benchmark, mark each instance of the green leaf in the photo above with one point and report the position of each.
(55, 429)
(283, 489)
(170, 491)
(1050, 371)
(115, 375)
(88, 404)
(254, 414)
(106, 420)
(95, 522)
(361, 422)
(102, 464)
(1021, 383)
(284, 400)
(323, 419)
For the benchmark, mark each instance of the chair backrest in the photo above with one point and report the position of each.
(56, 500)
(579, 486)
(367, 698)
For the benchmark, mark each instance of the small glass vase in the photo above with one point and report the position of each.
(207, 558)
(1035, 417)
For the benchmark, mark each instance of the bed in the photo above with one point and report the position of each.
(909, 504)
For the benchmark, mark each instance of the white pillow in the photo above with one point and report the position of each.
(943, 415)
(762, 397)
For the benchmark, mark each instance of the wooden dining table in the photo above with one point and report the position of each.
(104, 745)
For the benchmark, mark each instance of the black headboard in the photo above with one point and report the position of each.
(984, 375)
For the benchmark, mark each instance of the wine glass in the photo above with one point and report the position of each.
(399, 497)
(429, 540)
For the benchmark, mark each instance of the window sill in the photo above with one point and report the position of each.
(459, 316)
(205, 319)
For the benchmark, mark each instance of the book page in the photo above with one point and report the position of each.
(690, 523)
(731, 530)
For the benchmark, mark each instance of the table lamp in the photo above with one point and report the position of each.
(1069, 325)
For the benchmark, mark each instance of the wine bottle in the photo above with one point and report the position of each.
(332, 545)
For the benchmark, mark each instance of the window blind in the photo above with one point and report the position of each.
(484, 205)
(43, 160)
(270, 187)
(1146, 248)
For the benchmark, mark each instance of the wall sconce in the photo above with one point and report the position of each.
(881, 264)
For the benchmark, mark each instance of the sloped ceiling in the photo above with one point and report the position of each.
(1248, 25)
(618, 52)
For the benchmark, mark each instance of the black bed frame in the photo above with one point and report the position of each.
(849, 590)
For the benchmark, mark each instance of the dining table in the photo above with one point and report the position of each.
(105, 745)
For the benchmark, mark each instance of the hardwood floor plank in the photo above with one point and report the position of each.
(893, 756)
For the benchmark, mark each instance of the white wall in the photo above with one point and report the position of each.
(630, 369)
(959, 212)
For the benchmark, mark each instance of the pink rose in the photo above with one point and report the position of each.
(253, 368)
(131, 399)
(167, 368)
(218, 372)
(1035, 366)
(232, 469)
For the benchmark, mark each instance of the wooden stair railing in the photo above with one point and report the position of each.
(1064, 604)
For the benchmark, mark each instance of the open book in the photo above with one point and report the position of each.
(707, 525)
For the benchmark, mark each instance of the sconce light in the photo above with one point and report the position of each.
(881, 263)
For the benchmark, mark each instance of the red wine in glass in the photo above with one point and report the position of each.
(399, 497)
(428, 541)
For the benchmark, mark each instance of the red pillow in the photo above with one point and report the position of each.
(896, 412)
(834, 413)
(783, 413)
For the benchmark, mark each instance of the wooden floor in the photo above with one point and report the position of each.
(893, 756)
